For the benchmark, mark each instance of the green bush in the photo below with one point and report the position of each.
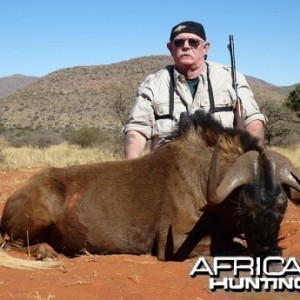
(293, 100)
(85, 137)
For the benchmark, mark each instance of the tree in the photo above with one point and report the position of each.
(121, 107)
(293, 100)
(279, 129)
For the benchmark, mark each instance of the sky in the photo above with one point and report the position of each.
(38, 37)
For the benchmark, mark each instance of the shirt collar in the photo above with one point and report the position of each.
(202, 77)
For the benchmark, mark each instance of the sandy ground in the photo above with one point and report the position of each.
(124, 276)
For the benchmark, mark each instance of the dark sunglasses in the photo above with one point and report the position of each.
(194, 43)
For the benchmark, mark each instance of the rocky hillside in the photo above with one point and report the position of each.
(90, 96)
(10, 84)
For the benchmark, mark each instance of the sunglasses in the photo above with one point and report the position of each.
(194, 43)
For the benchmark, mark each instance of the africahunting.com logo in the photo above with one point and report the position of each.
(242, 273)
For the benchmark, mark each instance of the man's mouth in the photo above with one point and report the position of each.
(185, 55)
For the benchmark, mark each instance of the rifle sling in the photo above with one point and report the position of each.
(171, 97)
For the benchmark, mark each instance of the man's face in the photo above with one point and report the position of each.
(188, 49)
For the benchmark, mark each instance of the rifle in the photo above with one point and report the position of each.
(238, 110)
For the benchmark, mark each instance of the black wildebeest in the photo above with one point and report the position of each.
(206, 181)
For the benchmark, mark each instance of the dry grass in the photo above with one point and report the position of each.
(292, 153)
(65, 155)
(55, 156)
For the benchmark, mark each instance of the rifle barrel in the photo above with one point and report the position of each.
(238, 108)
(233, 67)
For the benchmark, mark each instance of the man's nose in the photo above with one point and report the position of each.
(186, 44)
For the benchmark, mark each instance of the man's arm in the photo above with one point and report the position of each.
(256, 128)
(135, 143)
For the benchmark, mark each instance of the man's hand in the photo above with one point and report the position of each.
(256, 128)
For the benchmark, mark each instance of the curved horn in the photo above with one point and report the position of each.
(287, 173)
(240, 173)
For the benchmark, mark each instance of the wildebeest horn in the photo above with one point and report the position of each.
(287, 173)
(240, 173)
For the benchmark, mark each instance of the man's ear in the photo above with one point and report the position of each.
(170, 46)
(206, 48)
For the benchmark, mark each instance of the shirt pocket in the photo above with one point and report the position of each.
(163, 123)
(223, 99)
(161, 109)
(204, 105)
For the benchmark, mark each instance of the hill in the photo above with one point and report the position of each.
(93, 95)
(267, 91)
(10, 84)
(284, 90)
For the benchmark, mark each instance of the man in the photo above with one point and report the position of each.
(191, 84)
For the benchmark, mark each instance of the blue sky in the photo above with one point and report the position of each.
(41, 36)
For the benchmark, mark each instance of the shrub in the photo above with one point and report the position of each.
(43, 139)
(37, 138)
(2, 157)
(293, 100)
(85, 137)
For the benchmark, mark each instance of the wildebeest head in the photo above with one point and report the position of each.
(264, 182)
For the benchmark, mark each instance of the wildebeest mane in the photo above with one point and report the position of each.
(204, 125)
